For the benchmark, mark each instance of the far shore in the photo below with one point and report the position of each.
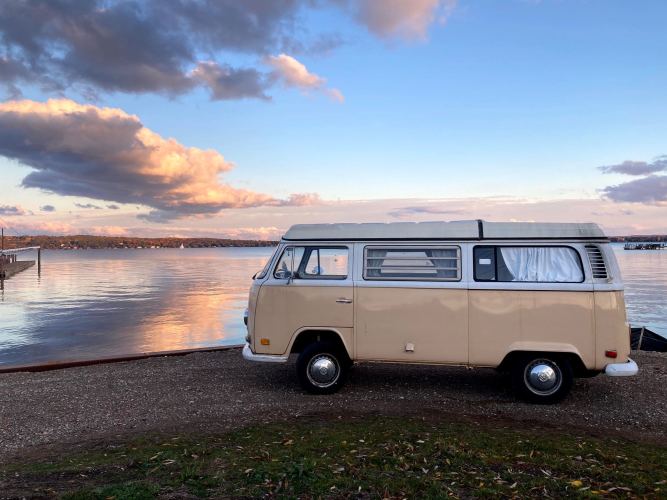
(88, 242)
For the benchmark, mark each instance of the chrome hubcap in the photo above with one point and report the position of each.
(543, 377)
(323, 370)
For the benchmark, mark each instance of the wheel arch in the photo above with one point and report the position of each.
(308, 335)
(578, 367)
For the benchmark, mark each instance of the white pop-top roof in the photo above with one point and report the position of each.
(455, 230)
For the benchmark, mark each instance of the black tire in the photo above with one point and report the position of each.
(542, 378)
(330, 356)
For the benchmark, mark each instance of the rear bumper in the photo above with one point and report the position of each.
(627, 369)
(262, 358)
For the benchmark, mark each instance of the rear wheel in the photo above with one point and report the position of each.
(542, 378)
(322, 367)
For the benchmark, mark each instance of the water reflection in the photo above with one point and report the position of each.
(645, 276)
(103, 303)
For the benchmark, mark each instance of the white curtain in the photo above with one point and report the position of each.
(545, 264)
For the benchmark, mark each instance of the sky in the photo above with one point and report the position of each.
(239, 119)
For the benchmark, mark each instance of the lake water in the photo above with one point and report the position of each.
(96, 303)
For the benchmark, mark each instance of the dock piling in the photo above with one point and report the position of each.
(9, 263)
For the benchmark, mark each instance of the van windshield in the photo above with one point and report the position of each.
(260, 275)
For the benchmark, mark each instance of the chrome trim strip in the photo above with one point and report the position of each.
(248, 355)
(627, 369)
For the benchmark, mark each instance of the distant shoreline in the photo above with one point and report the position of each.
(88, 242)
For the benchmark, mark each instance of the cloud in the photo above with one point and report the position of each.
(335, 94)
(171, 47)
(250, 26)
(10, 72)
(151, 46)
(88, 206)
(406, 19)
(47, 208)
(107, 154)
(227, 83)
(114, 47)
(404, 212)
(300, 200)
(269, 222)
(612, 213)
(11, 210)
(106, 231)
(252, 233)
(10, 69)
(295, 74)
(650, 189)
(629, 167)
(43, 227)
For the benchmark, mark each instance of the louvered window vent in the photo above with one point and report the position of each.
(597, 262)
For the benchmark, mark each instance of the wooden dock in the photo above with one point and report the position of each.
(9, 269)
(10, 265)
(644, 246)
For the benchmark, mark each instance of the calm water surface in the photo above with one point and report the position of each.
(96, 303)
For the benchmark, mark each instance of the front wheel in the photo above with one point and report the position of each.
(322, 368)
(542, 378)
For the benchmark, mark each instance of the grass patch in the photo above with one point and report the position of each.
(367, 457)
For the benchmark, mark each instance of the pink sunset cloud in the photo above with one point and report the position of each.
(295, 74)
(107, 154)
(270, 222)
(406, 19)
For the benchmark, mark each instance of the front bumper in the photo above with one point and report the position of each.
(262, 358)
(627, 369)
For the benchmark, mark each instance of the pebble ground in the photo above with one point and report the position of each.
(214, 392)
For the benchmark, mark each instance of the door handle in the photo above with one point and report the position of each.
(343, 300)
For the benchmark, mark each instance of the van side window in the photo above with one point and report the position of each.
(412, 263)
(535, 264)
(289, 261)
(485, 263)
(327, 263)
(312, 263)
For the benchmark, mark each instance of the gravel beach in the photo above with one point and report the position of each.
(40, 413)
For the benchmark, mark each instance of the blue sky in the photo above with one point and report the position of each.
(519, 100)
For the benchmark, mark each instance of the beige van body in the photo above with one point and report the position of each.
(467, 293)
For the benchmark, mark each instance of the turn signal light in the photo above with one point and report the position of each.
(611, 354)
(268, 342)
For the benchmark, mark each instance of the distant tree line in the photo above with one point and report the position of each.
(87, 241)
